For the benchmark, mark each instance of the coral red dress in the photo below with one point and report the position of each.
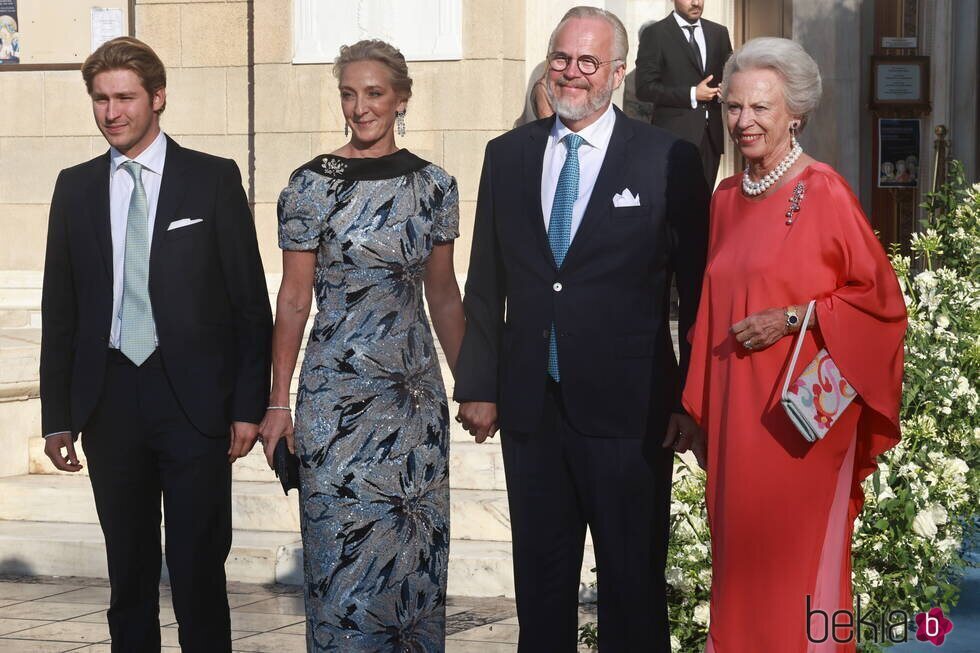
(781, 509)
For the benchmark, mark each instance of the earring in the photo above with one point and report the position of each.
(346, 129)
(400, 122)
(792, 133)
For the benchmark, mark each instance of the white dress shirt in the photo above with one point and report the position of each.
(120, 192)
(702, 46)
(591, 154)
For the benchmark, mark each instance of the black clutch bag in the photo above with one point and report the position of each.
(286, 466)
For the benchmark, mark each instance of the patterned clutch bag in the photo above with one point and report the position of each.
(818, 396)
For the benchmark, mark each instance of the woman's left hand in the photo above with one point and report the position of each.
(760, 330)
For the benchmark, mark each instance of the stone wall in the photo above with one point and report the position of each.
(457, 107)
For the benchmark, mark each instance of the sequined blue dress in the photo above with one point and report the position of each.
(372, 419)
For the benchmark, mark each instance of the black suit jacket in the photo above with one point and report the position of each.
(666, 69)
(207, 288)
(619, 376)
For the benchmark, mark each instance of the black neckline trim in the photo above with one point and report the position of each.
(393, 165)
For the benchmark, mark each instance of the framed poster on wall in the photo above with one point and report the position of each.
(46, 35)
(898, 152)
(900, 82)
(9, 33)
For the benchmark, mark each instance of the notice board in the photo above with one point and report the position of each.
(59, 34)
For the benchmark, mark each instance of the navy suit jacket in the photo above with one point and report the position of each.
(609, 300)
(207, 288)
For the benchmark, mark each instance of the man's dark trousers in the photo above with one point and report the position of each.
(559, 480)
(139, 444)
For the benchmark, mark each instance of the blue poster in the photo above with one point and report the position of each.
(898, 153)
(9, 42)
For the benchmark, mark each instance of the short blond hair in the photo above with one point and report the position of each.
(384, 53)
(127, 53)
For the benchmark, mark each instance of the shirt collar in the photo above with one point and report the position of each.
(683, 23)
(597, 134)
(152, 158)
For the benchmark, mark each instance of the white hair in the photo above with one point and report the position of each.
(802, 87)
(620, 38)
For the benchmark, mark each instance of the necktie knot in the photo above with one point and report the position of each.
(573, 142)
(690, 29)
(134, 169)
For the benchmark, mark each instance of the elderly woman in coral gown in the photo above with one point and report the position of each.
(786, 231)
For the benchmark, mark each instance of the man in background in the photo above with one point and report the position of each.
(679, 68)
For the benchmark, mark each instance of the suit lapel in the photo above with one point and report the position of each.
(712, 46)
(100, 215)
(608, 183)
(172, 189)
(533, 165)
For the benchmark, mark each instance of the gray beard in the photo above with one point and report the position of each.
(573, 112)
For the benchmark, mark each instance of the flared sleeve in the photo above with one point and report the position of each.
(863, 324)
(696, 384)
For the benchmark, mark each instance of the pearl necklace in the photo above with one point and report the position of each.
(753, 188)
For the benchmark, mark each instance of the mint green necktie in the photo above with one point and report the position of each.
(137, 332)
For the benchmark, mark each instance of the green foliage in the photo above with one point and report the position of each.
(588, 634)
(921, 503)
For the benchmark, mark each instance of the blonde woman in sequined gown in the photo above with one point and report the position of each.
(367, 230)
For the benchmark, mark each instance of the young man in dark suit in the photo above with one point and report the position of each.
(156, 348)
(581, 219)
(679, 68)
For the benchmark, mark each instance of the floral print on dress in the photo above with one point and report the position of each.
(372, 419)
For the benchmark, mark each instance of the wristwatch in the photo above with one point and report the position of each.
(792, 318)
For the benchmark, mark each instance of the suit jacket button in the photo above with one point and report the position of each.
(545, 333)
(556, 287)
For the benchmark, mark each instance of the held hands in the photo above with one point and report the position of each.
(479, 418)
(761, 330)
(52, 449)
(243, 437)
(276, 424)
(683, 434)
(705, 93)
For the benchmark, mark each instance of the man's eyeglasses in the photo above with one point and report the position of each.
(587, 64)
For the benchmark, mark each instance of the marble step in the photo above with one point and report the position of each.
(471, 466)
(20, 298)
(58, 549)
(259, 506)
(475, 466)
(252, 467)
(20, 355)
(63, 549)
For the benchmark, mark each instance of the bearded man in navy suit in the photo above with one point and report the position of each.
(582, 221)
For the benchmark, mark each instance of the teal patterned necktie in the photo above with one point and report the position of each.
(137, 331)
(560, 226)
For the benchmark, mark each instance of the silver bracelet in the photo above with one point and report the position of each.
(278, 408)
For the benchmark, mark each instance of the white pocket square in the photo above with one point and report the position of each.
(626, 198)
(185, 222)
